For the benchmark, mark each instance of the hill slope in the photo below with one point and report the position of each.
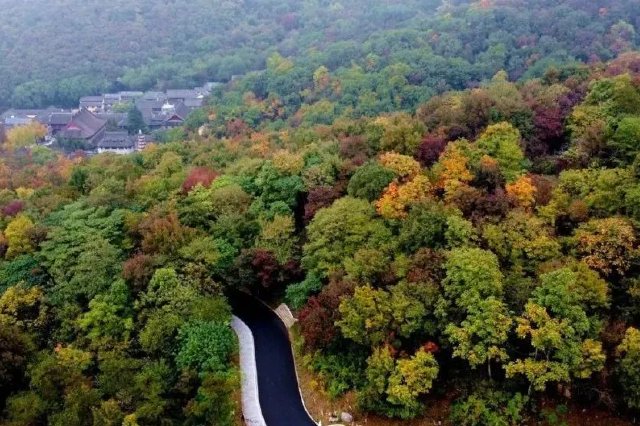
(56, 51)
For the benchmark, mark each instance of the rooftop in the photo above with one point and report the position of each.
(60, 118)
(29, 113)
(181, 94)
(154, 96)
(116, 140)
(16, 121)
(91, 99)
(194, 103)
(84, 125)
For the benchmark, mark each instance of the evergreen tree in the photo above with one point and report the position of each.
(135, 121)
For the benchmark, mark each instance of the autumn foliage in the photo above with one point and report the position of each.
(397, 198)
(198, 176)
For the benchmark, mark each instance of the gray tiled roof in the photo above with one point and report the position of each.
(120, 118)
(16, 121)
(194, 103)
(91, 99)
(28, 113)
(83, 125)
(182, 110)
(181, 94)
(116, 140)
(154, 96)
(60, 118)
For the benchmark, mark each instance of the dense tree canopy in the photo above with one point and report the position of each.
(477, 246)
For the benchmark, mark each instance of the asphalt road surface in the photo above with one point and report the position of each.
(277, 382)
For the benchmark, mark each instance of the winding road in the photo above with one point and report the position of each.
(278, 389)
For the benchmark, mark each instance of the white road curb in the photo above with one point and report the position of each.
(251, 409)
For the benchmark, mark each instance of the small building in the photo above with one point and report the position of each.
(130, 96)
(22, 117)
(58, 121)
(109, 100)
(202, 92)
(175, 96)
(154, 96)
(11, 122)
(117, 143)
(85, 127)
(158, 115)
(92, 103)
(151, 110)
(175, 115)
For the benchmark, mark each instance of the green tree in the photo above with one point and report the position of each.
(426, 226)
(482, 336)
(278, 236)
(522, 240)
(366, 317)
(109, 320)
(26, 408)
(151, 384)
(159, 334)
(369, 181)
(135, 121)
(214, 402)
(228, 199)
(394, 388)
(502, 142)
(338, 232)
(275, 187)
(167, 292)
(472, 274)
(625, 142)
(80, 252)
(80, 271)
(367, 265)
(629, 367)
(490, 408)
(196, 209)
(116, 373)
(412, 306)
(560, 333)
(206, 346)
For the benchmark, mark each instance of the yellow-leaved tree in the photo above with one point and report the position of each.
(22, 136)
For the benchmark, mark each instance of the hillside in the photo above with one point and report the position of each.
(479, 254)
(60, 50)
(53, 52)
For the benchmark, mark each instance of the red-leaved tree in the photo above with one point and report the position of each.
(318, 198)
(318, 317)
(430, 148)
(199, 175)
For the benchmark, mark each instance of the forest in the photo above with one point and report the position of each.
(484, 247)
(452, 219)
(389, 54)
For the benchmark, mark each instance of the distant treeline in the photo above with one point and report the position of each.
(54, 54)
